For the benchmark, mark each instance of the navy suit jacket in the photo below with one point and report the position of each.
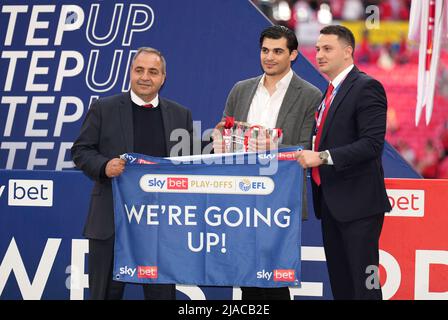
(354, 132)
(106, 133)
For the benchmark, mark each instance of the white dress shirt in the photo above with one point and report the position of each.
(338, 79)
(264, 108)
(138, 101)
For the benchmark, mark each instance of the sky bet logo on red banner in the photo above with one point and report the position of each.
(38, 193)
(406, 203)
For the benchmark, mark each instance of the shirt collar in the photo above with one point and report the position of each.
(282, 83)
(340, 77)
(138, 101)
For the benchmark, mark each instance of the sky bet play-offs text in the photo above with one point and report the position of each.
(55, 60)
(240, 185)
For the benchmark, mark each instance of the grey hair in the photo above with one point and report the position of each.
(153, 51)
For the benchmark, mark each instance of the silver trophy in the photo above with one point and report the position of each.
(236, 135)
(227, 137)
(239, 140)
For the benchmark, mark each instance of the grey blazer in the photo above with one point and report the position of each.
(295, 118)
(296, 115)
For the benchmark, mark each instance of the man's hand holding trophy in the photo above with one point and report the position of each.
(231, 136)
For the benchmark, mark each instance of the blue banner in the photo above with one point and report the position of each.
(221, 221)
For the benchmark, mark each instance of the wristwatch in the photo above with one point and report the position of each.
(323, 155)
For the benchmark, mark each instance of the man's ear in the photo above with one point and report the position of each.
(349, 51)
(293, 55)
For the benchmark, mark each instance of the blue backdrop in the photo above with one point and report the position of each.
(48, 80)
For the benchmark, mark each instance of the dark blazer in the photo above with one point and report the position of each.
(354, 133)
(108, 132)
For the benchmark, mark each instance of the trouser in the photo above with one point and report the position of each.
(352, 253)
(253, 293)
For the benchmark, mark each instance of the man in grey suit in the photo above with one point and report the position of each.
(136, 121)
(277, 99)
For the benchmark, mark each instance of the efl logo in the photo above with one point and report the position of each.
(244, 185)
(286, 275)
(177, 183)
(31, 193)
(406, 203)
(147, 272)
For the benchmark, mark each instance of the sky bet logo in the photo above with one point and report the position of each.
(282, 156)
(286, 275)
(38, 193)
(406, 203)
(145, 272)
(177, 183)
(171, 183)
(127, 271)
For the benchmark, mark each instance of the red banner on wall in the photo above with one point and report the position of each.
(414, 240)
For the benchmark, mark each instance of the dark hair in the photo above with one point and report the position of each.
(342, 32)
(277, 32)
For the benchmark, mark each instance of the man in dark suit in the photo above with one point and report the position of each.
(349, 194)
(277, 99)
(136, 121)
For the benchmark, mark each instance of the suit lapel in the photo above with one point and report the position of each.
(126, 121)
(340, 95)
(291, 95)
(166, 118)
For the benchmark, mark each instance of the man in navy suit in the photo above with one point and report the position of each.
(349, 194)
(136, 121)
